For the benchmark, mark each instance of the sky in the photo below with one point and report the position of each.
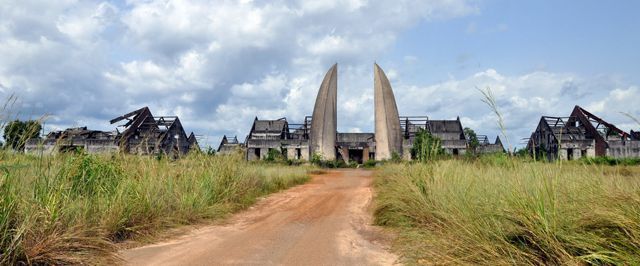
(219, 64)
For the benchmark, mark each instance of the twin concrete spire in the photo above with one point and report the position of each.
(388, 136)
(388, 133)
(324, 127)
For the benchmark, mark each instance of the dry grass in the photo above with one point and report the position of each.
(494, 213)
(71, 209)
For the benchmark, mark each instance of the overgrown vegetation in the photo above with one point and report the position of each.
(610, 161)
(17, 132)
(72, 208)
(426, 147)
(499, 210)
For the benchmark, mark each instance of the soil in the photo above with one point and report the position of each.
(324, 222)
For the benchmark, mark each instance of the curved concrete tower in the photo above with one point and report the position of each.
(324, 117)
(388, 133)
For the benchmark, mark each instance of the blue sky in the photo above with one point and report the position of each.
(585, 37)
(218, 64)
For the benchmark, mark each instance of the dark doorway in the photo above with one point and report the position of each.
(455, 152)
(569, 154)
(256, 152)
(355, 156)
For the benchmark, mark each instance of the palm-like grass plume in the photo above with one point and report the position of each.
(490, 100)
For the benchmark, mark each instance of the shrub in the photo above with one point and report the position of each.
(370, 163)
(426, 147)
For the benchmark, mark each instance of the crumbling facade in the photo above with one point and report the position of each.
(142, 133)
(582, 134)
(289, 140)
(229, 146)
(486, 147)
(74, 139)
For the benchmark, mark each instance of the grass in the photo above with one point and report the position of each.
(73, 209)
(494, 213)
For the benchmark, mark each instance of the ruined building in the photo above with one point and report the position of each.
(229, 146)
(317, 135)
(582, 134)
(73, 139)
(485, 146)
(142, 133)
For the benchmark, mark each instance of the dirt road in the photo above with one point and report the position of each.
(324, 222)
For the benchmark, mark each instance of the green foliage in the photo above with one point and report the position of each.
(210, 151)
(604, 160)
(16, 133)
(274, 155)
(316, 158)
(72, 208)
(522, 153)
(426, 147)
(472, 139)
(511, 213)
(371, 163)
(395, 157)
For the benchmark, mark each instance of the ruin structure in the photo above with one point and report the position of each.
(582, 134)
(317, 135)
(229, 146)
(142, 133)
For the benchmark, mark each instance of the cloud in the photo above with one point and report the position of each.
(522, 100)
(218, 64)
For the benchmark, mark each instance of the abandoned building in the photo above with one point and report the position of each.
(292, 140)
(317, 135)
(142, 133)
(485, 146)
(74, 139)
(582, 134)
(229, 146)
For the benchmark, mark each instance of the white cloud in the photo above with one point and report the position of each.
(218, 64)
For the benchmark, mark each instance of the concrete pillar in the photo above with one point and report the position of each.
(387, 121)
(324, 127)
(263, 153)
(344, 151)
(291, 153)
(305, 153)
(365, 154)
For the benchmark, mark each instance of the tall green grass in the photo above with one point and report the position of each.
(72, 209)
(494, 213)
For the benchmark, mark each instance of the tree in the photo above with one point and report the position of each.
(16, 133)
(425, 146)
(472, 138)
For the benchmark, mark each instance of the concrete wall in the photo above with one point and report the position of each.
(623, 149)
(490, 148)
(447, 135)
(292, 153)
(289, 146)
(576, 154)
(89, 146)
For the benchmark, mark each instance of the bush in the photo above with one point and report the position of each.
(605, 160)
(370, 163)
(426, 147)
